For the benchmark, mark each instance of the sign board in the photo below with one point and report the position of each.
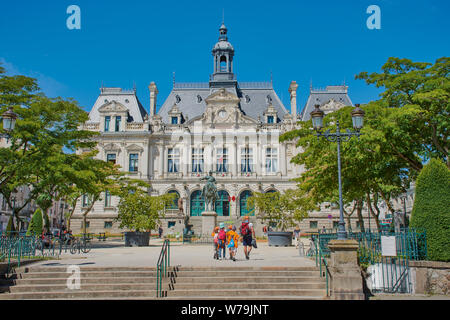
(388, 246)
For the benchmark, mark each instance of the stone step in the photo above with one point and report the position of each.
(80, 294)
(256, 273)
(245, 292)
(252, 297)
(232, 268)
(33, 281)
(249, 285)
(82, 269)
(88, 274)
(85, 287)
(250, 279)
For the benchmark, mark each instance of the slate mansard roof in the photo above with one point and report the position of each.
(322, 96)
(128, 98)
(255, 98)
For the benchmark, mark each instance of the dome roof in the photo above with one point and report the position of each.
(223, 45)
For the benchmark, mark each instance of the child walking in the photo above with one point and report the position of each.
(215, 235)
(222, 238)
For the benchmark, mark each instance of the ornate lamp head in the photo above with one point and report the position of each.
(317, 118)
(9, 120)
(357, 117)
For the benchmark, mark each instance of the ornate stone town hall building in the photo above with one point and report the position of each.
(229, 127)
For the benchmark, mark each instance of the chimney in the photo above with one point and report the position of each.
(153, 94)
(293, 91)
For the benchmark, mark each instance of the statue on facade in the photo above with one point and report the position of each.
(180, 205)
(209, 192)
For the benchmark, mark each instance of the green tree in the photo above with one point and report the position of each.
(139, 211)
(283, 210)
(36, 224)
(44, 128)
(431, 209)
(418, 94)
(371, 172)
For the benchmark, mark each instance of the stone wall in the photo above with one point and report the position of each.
(430, 277)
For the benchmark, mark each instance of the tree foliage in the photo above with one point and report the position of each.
(419, 93)
(137, 210)
(431, 209)
(283, 210)
(36, 224)
(41, 147)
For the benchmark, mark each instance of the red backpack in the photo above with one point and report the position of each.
(222, 234)
(244, 229)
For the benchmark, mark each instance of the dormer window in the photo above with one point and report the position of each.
(174, 120)
(118, 121)
(269, 119)
(107, 122)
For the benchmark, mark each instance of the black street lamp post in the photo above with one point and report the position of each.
(317, 121)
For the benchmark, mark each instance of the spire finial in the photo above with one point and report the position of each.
(223, 15)
(173, 78)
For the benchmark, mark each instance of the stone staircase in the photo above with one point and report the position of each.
(198, 283)
(257, 283)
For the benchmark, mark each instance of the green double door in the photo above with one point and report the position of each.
(222, 205)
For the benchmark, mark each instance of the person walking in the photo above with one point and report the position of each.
(222, 238)
(160, 231)
(296, 236)
(246, 232)
(215, 235)
(232, 242)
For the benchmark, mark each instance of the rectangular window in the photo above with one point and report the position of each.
(222, 160)
(171, 224)
(269, 119)
(134, 158)
(247, 160)
(118, 120)
(313, 224)
(271, 160)
(173, 160)
(87, 225)
(197, 160)
(174, 120)
(111, 157)
(85, 201)
(108, 225)
(107, 199)
(107, 122)
(336, 224)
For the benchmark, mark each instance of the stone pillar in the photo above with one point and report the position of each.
(293, 91)
(209, 221)
(346, 278)
(153, 93)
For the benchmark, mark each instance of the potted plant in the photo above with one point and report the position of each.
(280, 210)
(141, 213)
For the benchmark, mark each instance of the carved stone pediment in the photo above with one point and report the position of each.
(134, 147)
(331, 106)
(112, 106)
(222, 96)
(111, 147)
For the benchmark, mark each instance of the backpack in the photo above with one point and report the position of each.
(222, 235)
(215, 238)
(244, 229)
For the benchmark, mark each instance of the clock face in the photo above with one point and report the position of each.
(222, 114)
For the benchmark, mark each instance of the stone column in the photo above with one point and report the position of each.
(293, 92)
(153, 93)
(346, 278)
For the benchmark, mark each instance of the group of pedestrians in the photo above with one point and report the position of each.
(230, 239)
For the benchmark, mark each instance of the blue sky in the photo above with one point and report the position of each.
(126, 42)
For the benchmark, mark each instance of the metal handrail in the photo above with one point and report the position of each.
(162, 267)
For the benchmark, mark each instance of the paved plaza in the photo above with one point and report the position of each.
(114, 253)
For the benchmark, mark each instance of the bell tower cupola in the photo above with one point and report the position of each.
(223, 53)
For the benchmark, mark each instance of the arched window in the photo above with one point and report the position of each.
(174, 204)
(243, 203)
(271, 191)
(223, 203)
(223, 64)
(197, 203)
